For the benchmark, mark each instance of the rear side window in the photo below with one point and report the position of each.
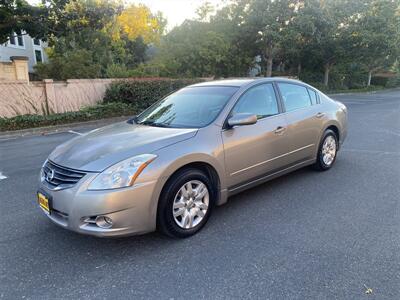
(259, 100)
(313, 96)
(294, 96)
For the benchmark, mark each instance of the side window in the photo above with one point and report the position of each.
(259, 100)
(314, 97)
(294, 96)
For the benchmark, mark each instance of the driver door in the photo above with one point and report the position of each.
(253, 150)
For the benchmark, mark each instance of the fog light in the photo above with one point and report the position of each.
(104, 222)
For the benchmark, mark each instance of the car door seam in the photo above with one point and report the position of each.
(272, 159)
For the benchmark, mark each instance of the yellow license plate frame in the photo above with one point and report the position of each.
(44, 202)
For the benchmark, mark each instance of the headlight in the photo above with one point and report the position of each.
(122, 174)
(42, 176)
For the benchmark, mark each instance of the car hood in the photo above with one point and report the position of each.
(103, 147)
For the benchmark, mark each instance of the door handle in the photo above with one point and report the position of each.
(280, 130)
(320, 115)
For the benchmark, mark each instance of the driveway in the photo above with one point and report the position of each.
(307, 235)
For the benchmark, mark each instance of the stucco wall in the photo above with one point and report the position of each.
(18, 98)
(76, 93)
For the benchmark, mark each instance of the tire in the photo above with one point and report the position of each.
(325, 160)
(182, 213)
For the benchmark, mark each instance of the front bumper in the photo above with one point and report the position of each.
(132, 209)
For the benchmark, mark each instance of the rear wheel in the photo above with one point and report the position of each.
(327, 151)
(185, 204)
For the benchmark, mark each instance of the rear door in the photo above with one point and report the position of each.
(303, 121)
(253, 150)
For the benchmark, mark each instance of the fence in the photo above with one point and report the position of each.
(47, 96)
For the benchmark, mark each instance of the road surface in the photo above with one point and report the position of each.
(307, 235)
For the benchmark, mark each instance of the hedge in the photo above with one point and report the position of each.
(141, 93)
(100, 111)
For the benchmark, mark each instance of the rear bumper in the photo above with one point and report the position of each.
(132, 210)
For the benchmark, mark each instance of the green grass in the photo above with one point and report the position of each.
(100, 111)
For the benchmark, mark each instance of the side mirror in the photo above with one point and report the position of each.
(242, 119)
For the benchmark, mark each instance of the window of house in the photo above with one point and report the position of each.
(259, 100)
(36, 42)
(294, 96)
(12, 40)
(20, 40)
(38, 55)
(16, 40)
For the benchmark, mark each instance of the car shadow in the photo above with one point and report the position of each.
(220, 214)
(58, 245)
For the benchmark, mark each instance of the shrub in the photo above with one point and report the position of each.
(379, 80)
(141, 93)
(393, 82)
(86, 114)
(117, 71)
(72, 64)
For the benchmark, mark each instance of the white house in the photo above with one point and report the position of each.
(24, 45)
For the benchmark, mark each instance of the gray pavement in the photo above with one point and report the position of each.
(307, 235)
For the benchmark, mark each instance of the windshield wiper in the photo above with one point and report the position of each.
(132, 120)
(155, 124)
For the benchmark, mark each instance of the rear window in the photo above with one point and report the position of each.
(313, 96)
(294, 96)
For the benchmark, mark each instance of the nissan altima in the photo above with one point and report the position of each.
(168, 167)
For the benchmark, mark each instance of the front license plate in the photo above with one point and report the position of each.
(43, 202)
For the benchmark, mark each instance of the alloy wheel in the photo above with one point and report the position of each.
(329, 150)
(190, 204)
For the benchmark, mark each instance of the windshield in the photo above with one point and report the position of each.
(191, 107)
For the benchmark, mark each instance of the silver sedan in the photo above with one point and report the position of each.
(169, 166)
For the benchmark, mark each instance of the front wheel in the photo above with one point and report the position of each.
(327, 151)
(185, 204)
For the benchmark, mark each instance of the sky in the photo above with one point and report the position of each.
(175, 11)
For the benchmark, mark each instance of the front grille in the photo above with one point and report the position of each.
(59, 177)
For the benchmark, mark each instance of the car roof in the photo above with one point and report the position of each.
(239, 82)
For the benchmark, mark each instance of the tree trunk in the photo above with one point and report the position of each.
(269, 67)
(269, 57)
(298, 70)
(369, 78)
(327, 69)
(278, 68)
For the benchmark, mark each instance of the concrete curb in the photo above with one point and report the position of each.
(59, 128)
(368, 93)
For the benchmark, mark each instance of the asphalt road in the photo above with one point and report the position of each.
(307, 235)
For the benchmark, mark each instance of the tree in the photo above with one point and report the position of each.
(17, 16)
(269, 20)
(193, 50)
(93, 28)
(326, 31)
(204, 11)
(138, 21)
(376, 32)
